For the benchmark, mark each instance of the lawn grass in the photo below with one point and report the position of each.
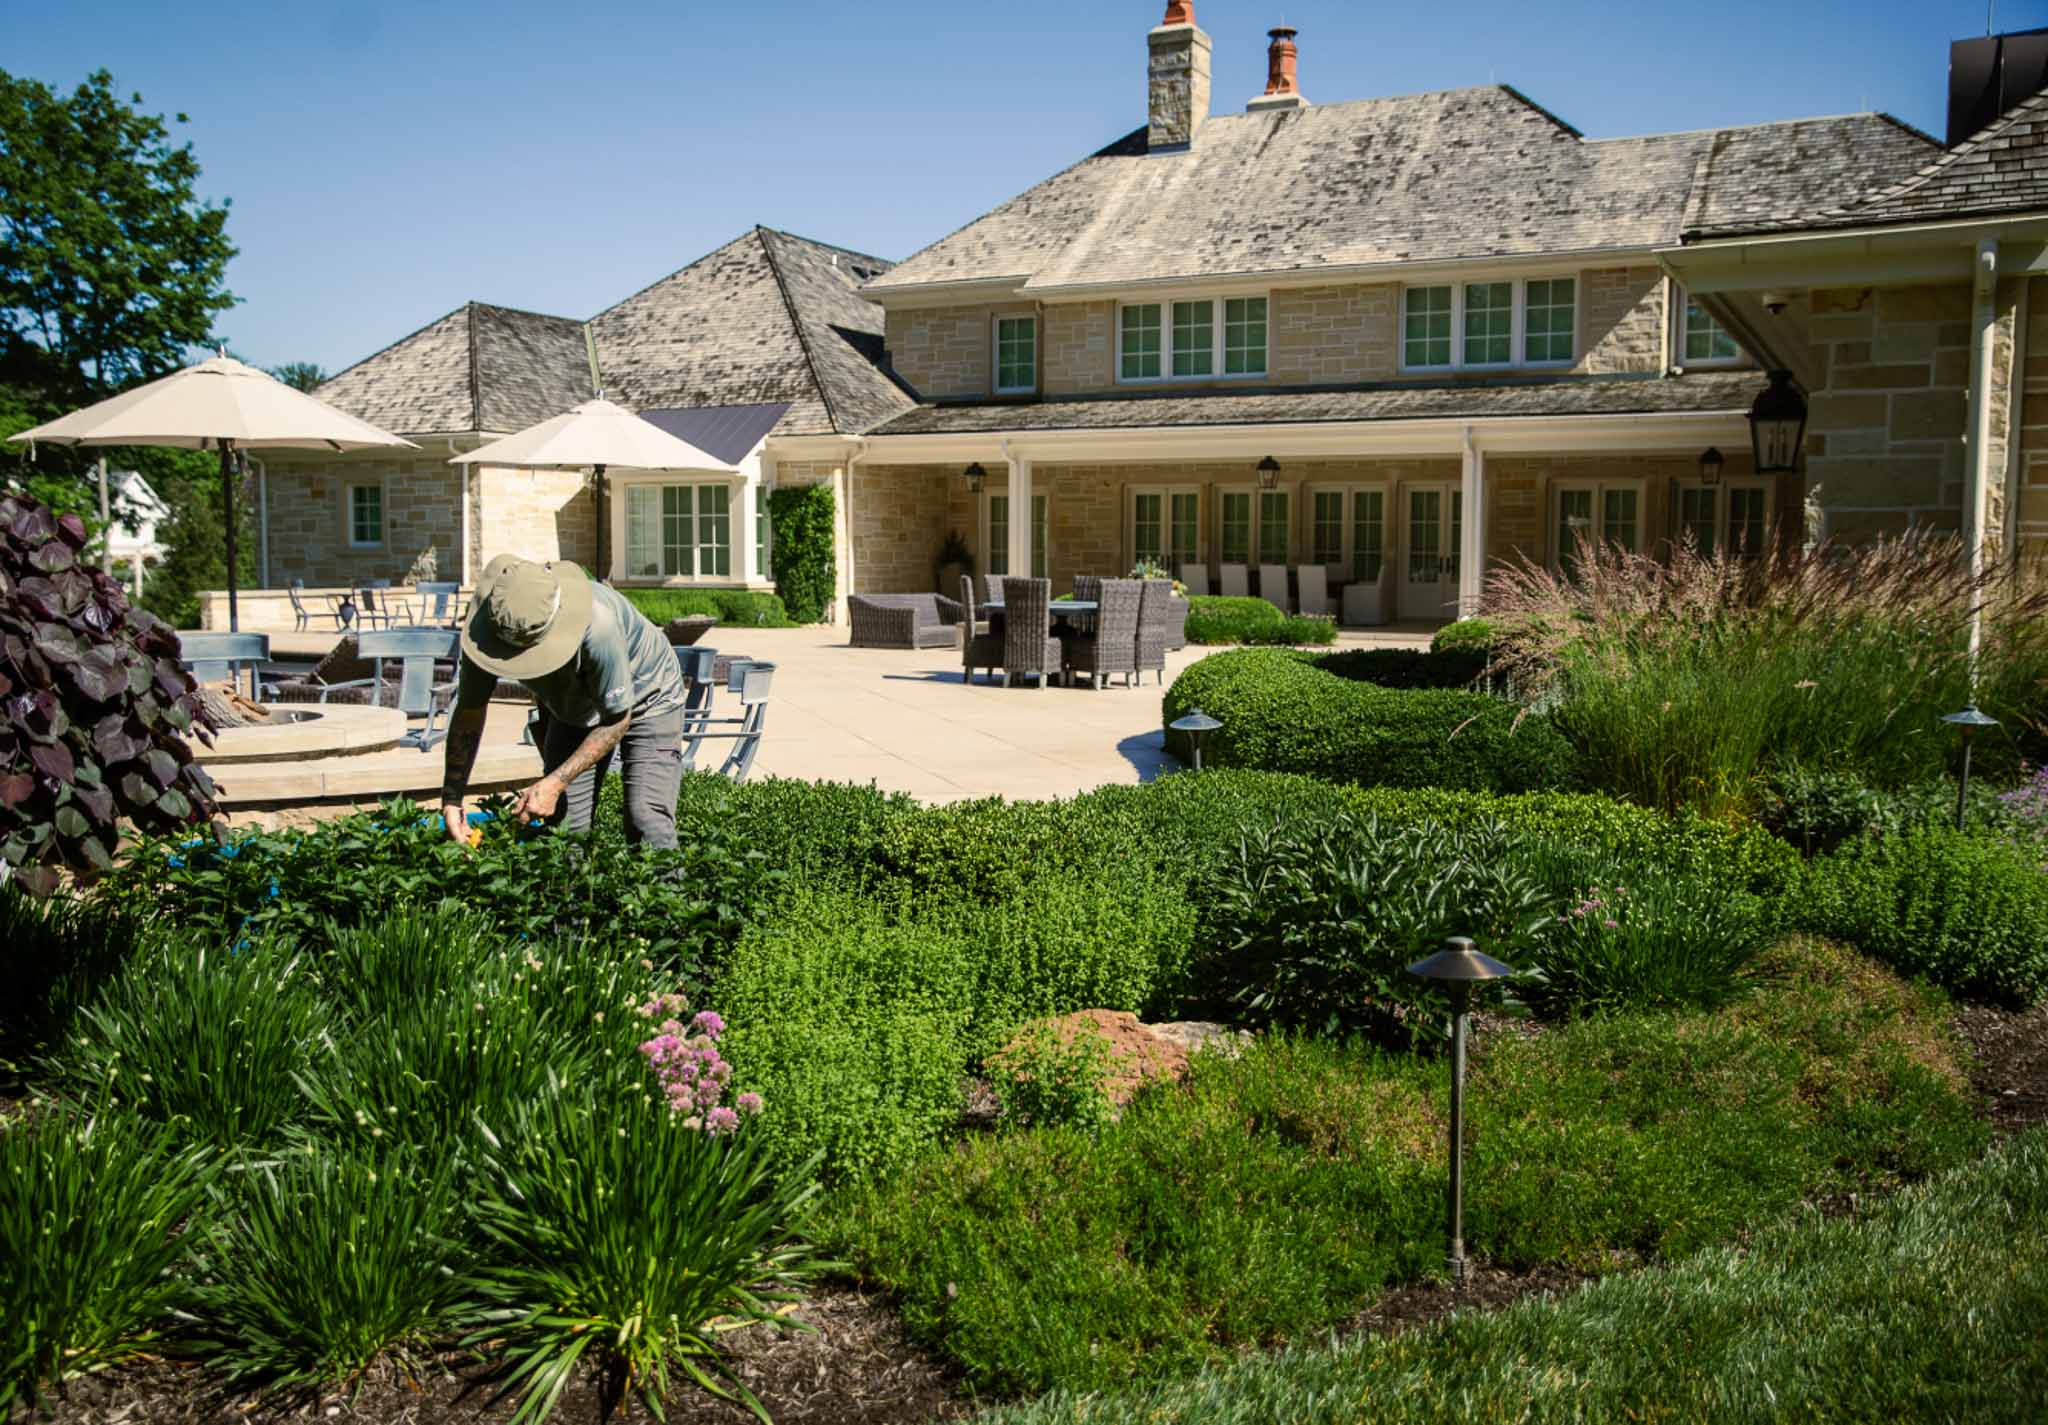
(1930, 1308)
(1274, 1196)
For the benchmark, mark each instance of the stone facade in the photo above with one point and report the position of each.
(537, 514)
(1321, 335)
(1521, 503)
(2027, 515)
(1885, 444)
(1622, 320)
(897, 521)
(1177, 83)
(1079, 343)
(945, 352)
(309, 518)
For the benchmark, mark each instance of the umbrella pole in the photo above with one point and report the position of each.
(227, 492)
(603, 521)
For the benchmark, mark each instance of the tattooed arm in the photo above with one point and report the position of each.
(465, 732)
(538, 801)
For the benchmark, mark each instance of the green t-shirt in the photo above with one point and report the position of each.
(625, 665)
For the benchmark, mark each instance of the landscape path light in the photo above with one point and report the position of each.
(1458, 967)
(1194, 725)
(1968, 721)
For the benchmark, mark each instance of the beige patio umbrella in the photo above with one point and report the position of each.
(598, 434)
(224, 403)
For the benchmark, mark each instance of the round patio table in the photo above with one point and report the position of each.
(1061, 608)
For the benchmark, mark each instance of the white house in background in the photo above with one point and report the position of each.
(138, 511)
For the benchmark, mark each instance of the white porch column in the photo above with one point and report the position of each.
(1020, 517)
(754, 474)
(1977, 470)
(1472, 539)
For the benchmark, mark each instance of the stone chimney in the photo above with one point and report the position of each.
(1282, 92)
(1178, 78)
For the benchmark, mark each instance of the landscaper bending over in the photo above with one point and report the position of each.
(604, 677)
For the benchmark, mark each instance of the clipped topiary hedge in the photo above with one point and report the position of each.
(1467, 635)
(728, 606)
(1215, 619)
(1282, 714)
(1407, 667)
(800, 517)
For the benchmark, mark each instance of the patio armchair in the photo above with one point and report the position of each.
(1196, 577)
(1158, 625)
(440, 604)
(751, 680)
(302, 616)
(991, 588)
(421, 652)
(1235, 581)
(1273, 586)
(1028, 645)
(1312, 582)
(902, 621)
(373, 603)
(980, 646)
(221, 657)
(1113, 647)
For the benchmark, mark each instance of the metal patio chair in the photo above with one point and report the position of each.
(212, 657)
(419, 651)
(440, 604)
(752, 682)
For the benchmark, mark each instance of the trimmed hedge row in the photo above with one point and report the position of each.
(728, 606)
(1282, 714)
(1408, 667)
(1213, 618)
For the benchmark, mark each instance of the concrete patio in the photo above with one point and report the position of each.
(902, 720)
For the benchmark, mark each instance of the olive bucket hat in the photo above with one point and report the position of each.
(529, 619)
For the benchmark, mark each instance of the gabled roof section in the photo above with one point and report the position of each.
(769, 318)
(1462, 173)
(2003, 168)
(480, 368)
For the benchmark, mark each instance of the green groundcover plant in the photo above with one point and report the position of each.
(1816, 1318)
(1276, 1192)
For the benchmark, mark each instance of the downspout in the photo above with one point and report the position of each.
(454, 448)
(1977, 469)
(842, 519)
(262, 521)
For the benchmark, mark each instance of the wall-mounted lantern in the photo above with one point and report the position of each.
(1777, 425)
(1710, 466)
(975, 477)
(1269, 473)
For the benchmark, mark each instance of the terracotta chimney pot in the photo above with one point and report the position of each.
(1179, 12)
(1281, 57)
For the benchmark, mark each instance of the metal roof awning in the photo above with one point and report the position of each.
(728, 432)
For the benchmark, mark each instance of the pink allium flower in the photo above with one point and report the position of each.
(749, 1103)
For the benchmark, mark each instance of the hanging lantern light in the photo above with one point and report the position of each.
(1777, 425)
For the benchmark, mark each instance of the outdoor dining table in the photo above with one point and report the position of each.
(1061, 608)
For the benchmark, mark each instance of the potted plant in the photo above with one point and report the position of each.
(955, 562)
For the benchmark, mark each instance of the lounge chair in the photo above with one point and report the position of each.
(221, 657)
(903, 621)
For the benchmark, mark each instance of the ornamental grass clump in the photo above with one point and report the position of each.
(1687, 680)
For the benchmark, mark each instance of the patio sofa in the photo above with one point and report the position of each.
(903, 621)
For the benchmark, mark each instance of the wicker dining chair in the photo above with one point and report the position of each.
(981, 646)
(1088, 587)
(1155, 626)
(1028, 644)
(1113, 647)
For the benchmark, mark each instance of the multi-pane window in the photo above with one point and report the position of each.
(1698, 517)
(1368, 533)
(1244, 336)
(1184, 528)
(1237, 526)
(1425, 535)
(1272, 526)
(1426, 327)
(1550, 311)
(1747, 512)
(1736, 524)
(1148, 527)
(1138, 342)
(1489, 323)
(762, 543)
(1597, 514)
(1016, 354)
(998, 560)
(365, 514)
(1618, 516)
(1194, 338)
(1705, 338)
(678, 531)
(1180, 340)
(1326, 528)
(1454, 556)
(1165, 527)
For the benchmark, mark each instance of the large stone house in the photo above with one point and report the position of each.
(1405, 339)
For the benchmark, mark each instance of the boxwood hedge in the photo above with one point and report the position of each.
(1282, 714)
(1213, 618)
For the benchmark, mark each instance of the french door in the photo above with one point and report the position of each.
(1597, 513)
(1432, 528)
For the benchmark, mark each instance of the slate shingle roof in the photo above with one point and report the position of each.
(1460, 173)
(480, 368)
(769, 317)
(1382, 401)
(2003, 168)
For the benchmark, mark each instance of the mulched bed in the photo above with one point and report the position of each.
(2011, 1072)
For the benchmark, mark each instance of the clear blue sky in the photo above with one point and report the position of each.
(389, 161)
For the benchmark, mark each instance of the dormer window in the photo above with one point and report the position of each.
(1477, 325)
(1180, 341)
(1016, 355)
(1706, 341)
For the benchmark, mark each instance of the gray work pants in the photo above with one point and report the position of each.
(652, 756)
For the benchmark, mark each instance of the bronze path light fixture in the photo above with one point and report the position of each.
(1194, 725)
(1269, 473)
(1777, 425)
(1968, 721)
(1458, 967)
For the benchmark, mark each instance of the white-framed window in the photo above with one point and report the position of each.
(1180, 341)
(995, 529)
(1166, 525)
(1348, 529)
(365, 516)
(1016, 346)
(1733, 517)
(1702, 341)
(1274, 526)
(1254, 524)
(680, 531)
(1236, 525)
(1601, 511)
(1495, 324)
(764, 542)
